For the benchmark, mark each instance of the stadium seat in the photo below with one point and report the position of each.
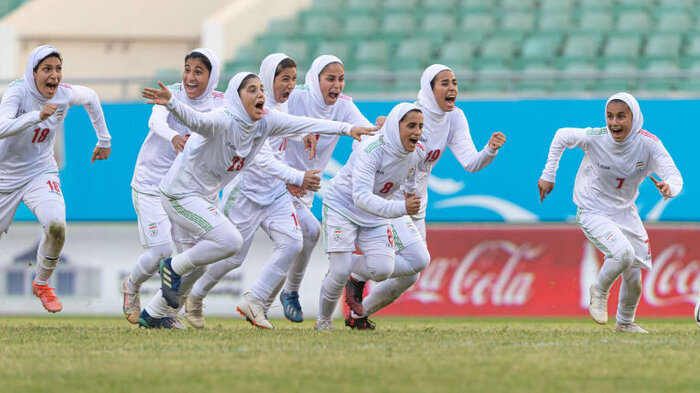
(497, 48)
(675, 4)
(412, 54)
(358, 27)
(554, 22)
(674, 22)
(391, 6)
(633, 21)
(524, 5)
(372, 53)
(476, 6)
(577, 76)
(438, 27)
(661, 83)
(595, 21)
(439, 6)
(298, 50)
(625, 6)
(476, 25)
(539, 49)
(663, 46)
(557, 5)
(596, 5)
(365, 85)
(357, 7)
(517, 23)
(277, 30)
(536, 79)
(581, 46)
(319, 27)
(397, 27)
(456, 54)
(620, 47)
(340, 49)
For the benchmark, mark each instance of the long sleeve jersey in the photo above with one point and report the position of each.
(610, 173)
(26, 142)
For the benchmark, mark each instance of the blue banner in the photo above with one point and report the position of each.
(506, 190)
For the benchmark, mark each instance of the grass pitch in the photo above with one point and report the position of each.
(61, 354)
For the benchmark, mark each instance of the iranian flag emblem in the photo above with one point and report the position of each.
(153, 229)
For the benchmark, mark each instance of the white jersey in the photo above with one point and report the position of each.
(157, 152)
(436, 138)
(362, 190)
(344, 110)
(211, 159)
(610, 173)
(26, 142)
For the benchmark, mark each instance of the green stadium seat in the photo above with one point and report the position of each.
(390, 6)
(328, 5)
(491, 80)
(661, 83)
(439, 6)
(477, 25)
(536, 79)
(578, 76)
(625, 6)
(539, 49)
(397, 27)
(617, 79)
(663, 46)
(497, 48)
(277, 30)
(517, 22)
(596, 5)
(437, 27)
(355, 84)
(407, 83)
(633, 21)
(412, 54)
(663, 66)
(456, 54)
(674, 22)
(340, 49)
(557, 5)
(372, 53)
(476, 6)
(356, 7)
(595, 21)
(621, 47)
(297, 50)
(581, 46)
(525, 5)
(554, 22)
(358, 27)
(319, 27)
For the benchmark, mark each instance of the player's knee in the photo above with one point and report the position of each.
(291, 247)
(625, 256)
(380, 267)
(228, 239)
(311, 230)
(160, 251)
(56, 232)
(420, 258)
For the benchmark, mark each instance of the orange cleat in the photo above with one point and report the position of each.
(48, 299)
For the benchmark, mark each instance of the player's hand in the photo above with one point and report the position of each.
(179, 143)
(47, 111)
(380, 121)
(296, 190)
(312, 180)
(497, 140)
(310, 142)
(101, 153)
(664, 188)
(545, 188)
(357, 132)
(157, 96)
(412, 203)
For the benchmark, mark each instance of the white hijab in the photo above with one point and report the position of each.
(204, 101)
(637, 117)
(37, 55)
(426, 98)
(243, 134)
(390, 130)
(267, 74)
(318, 107)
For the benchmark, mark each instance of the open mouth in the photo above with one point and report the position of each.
(191, 86)
(259, 105)
(285, 95)
(333, 96)
(51, 87)
(450, 100)
(616, 132)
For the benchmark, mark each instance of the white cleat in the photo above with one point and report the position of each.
(323, 325)
(598, 307)
(193, 312)
(629, 328)
(131, 303)
(254, 311)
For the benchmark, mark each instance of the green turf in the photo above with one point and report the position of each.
(60, 354)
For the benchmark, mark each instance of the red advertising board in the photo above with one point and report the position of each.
(543, 271)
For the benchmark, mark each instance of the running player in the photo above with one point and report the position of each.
(31, 114)
(258, 198)
(357, 206)
(445, 126)
(224, 140)
(167, 137)
(616, 160)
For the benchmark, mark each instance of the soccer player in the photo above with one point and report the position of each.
(224, 140)
(167, 137)
(358, 205)
(616, 160)
(445, 126)
(258, 198)
(320, 98)
(31, 114)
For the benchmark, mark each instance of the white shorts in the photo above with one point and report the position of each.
(280, 216)
(343, 235)
(407, 231)
(153, 222)
(611, 233)
(45, 187)
(194, 215)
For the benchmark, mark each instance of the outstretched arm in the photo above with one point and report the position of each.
(10, 124)
(565, 138)
(285, 125)
(87, 97)
(462, 146)
(266, 160)
(671, 181)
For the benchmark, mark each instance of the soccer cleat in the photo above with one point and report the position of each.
(172, 323)
(131, 304)
(323, 325)
(697, 312)
(358, 323)
(254, 312)
(148, 322)
(598, 307)
(49, 300)
(354, 290)
(193, 312)
(629, 328)
(169, 283)
(291, 306)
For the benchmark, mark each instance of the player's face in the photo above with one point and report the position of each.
(445, 90)
(48, 76)
(619, 119)
(195, 78)
(253, 98)
(284, 84)
(332, 82)
(410, 129)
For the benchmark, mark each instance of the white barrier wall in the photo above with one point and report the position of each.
(97, 255)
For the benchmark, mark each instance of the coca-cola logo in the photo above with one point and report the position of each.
(492, 272)
(672, 280)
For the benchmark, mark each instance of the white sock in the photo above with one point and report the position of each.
(333, 284)
(630, 293)
(386, 292)
(157, 307)
(613, 268)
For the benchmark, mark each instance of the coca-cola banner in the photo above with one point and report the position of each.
(543, 271)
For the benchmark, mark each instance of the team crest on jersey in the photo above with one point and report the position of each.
(337, 234)
(153, 229)
(611, 238)
(640, 166)
(59, 114)
(256, 140)
(412, 228)
(213, 210)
